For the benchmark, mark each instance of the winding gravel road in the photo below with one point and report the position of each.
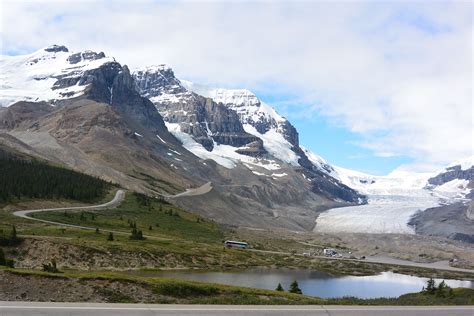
(118, 198)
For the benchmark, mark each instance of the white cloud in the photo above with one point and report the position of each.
(397, 73)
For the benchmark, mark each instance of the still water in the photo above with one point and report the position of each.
(314, 283)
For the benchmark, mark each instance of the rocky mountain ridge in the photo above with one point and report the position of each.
(261, 132)
(84, 110)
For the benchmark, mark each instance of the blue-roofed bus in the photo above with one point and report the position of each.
(236, 244)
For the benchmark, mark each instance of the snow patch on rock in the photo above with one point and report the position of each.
(223, 155)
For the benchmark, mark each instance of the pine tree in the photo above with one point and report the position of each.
(136, 234)
(440, 290)
(3, 260)
(450, 292)
(13, 237)
(279, 288)
(294, 288)
(110, 237)
(430, 286)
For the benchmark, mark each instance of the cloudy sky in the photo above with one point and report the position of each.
(370, 85)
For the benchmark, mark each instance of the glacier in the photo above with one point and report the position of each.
(392, 201)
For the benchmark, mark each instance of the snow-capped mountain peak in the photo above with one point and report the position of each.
(258, 118)
(233, 126)
(464, 164)
(48, 74)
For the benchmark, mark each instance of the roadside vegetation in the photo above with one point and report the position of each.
(117, 288)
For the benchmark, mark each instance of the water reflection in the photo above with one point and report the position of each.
(315, 283)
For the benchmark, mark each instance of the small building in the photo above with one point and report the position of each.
(236, 244)
(329, 252)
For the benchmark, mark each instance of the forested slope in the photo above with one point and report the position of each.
(21, 177)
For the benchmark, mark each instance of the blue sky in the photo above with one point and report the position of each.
(370, 85)
(330, 140)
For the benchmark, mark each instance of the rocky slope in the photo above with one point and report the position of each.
(85, 110)
(231, 125)
(454, 217)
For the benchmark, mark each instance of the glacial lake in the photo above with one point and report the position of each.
(314, 283)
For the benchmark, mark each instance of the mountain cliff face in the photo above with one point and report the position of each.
(149, 133)
(207, 121)
(452, 173)
(255, 128)
(454, 217)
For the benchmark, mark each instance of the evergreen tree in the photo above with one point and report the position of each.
(33, 179)
(279, 288)
(441, 289)
(13, 237)
(450, 292)
(3, 260)
(110, 237)
(294, 288)
(136, 234)
(430, 286)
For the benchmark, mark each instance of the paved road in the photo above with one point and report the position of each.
(77, 309)
(441, 265)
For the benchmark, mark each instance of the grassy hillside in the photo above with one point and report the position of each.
(177, 239)
(174, 238)
(155, 218)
